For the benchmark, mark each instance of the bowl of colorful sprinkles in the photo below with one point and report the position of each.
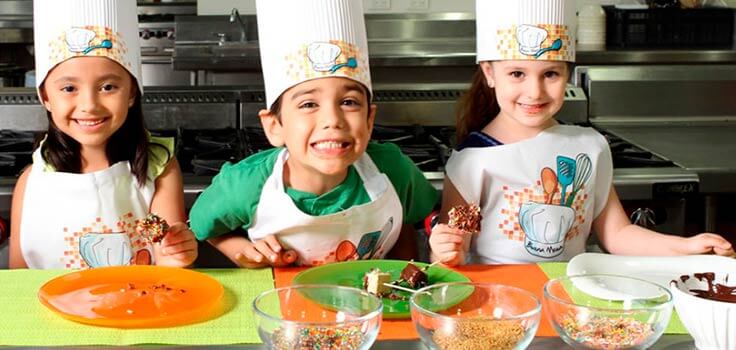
(607, 311)
(325, 317)
(466, 315)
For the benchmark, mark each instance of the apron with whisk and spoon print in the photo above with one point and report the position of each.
(538, 197)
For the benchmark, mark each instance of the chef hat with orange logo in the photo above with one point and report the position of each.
(64, 29)
(525, 30)
(301, 40)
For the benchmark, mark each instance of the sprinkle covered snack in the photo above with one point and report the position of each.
(153, 228)
(465, 217)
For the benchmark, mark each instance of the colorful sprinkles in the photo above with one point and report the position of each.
(318, 338)
(607, 332)
(153, 228)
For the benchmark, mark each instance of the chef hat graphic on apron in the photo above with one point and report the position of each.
(301, 40)
(64, 29)
(525, 30)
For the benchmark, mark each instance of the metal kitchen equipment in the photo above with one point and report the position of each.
(157, 33)
(182, 112)
(684, 114)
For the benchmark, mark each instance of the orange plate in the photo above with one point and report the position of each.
(136, 296)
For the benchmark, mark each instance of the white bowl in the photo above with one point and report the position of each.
(711, 323)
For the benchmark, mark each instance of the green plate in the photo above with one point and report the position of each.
(351, 274)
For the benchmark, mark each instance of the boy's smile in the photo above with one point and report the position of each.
(326, 125)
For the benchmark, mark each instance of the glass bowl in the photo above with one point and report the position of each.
(324, 316)
(711, 322)
(607, 311)
(466, 315)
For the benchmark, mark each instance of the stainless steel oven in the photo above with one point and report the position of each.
(684, 114)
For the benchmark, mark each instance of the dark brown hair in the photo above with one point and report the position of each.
(477, 107)
(129, 143)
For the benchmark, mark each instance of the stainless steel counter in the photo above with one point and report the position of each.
(708, 149)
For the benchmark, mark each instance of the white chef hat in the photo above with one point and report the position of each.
(525, 30)
(64, 29)
(302, 40)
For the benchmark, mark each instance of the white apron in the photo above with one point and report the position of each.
(73, 221)
(366, 231)
(533, 214)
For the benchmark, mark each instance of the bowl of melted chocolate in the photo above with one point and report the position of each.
(706, 304)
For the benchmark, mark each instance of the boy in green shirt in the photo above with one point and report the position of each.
(326, 193)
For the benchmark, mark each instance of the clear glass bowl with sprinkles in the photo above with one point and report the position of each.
(607, 311)
(325, 317)
(466, 315)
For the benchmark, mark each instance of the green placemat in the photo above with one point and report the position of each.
(559, 269)
(24, 321)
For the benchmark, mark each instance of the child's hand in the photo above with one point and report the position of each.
(449, 245)
(265, 252)
(707, 243)
(178, 248)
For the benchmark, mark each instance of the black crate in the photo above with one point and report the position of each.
(669, 27)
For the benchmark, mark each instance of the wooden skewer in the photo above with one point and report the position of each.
(400, 288)
(432, 264)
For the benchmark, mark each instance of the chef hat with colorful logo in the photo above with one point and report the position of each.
(65, 29)
(525, 30)
(301, 40)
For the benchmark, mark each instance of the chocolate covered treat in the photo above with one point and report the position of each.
(374, 280)
(414, 276)
(153, 228)
(466, 218)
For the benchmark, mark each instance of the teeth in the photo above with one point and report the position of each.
(328, 145)
(89, 122)
(530, 106)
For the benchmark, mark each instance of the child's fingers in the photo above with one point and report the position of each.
(186, 256)
(445, 248)
(251, 255)
(178, 236)
(265, 249)
(273, 243)
(181, 247)
(724, 252)
(446, 229)
(243, 261)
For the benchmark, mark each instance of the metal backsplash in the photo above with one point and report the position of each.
(162, 109)
(639, 93)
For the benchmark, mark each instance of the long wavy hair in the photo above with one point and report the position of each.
(129, 143)
(477, 107)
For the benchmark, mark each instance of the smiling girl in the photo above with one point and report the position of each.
(542, 187)
(97, 172)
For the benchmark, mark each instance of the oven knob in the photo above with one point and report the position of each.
(644, 217)
(170, 35)
(160, 34)
(145, 34)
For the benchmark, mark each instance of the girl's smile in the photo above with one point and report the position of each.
(88, 98)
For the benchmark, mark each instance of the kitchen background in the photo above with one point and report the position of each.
(216, 7)
(659, 85)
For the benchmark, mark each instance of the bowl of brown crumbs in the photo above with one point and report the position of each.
(467, 315)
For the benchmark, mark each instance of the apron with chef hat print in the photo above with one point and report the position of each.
(73, 221)
(538, 197)
(366, 231)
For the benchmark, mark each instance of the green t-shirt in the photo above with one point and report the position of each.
(231, 200)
